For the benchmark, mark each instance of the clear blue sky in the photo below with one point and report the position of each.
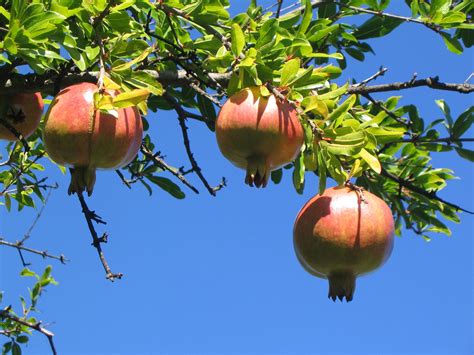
(218, 275)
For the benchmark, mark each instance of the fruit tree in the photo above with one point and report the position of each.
(85, 82)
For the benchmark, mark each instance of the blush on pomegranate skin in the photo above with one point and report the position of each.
(258, 134)
(23, 111)
(80, 136)
(342, 234)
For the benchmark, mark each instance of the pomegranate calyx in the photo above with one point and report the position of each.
(341, 284)
(258, 172)
(82, 179)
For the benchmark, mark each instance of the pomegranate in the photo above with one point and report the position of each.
(258, 134)
(23, 111)
(342, 234)
(80, 136)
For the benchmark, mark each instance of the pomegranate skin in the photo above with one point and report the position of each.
(23, 111)
(343, 234)
(85, 139)
(258, 134)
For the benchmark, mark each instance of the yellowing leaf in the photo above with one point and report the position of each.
(130, 98)
(371, 160)
(131, 63)
(110, 84)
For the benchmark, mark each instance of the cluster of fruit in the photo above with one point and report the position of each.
(338, 235)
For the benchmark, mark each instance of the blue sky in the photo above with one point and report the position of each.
(210, 275)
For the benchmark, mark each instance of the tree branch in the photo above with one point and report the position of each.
(387, 111)
(5, 313)
(4, 122)
(162, 164)
(19, 246)
(184, 129)
(317, 3)
(431, 82)
(91, 217)
(46, 82)
(448, 140)
(421, 191)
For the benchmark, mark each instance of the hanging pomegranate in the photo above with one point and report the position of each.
(23, 112)
(258, 133)
(342, 234)
(78, 135)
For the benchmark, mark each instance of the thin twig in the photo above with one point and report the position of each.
(184, 130)
(421, 191)
(387, 111)
(125, 181)
(162, 164)
(38, 216)
(15, 132)
(91, 217)
(431, 82)
(318, 3)
(10, 156)
(20, 172)
(448, 140)
(205, 94)
(5, 313)
(19, 246)
(280, 3)
(380, 72)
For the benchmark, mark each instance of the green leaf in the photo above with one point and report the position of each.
(298, 174)
(7, 347)
(333, 94)
(321, 169)
(371, 160)
(16, 350)
(439, 6)
(463, 122)
(267, 33)
(143, 80)
(289, 71)
(167, 185)
(452, 43)
(337, 116)
(326, 55)
(276, 175)
(22, 339)
(139, 59)
(376, 26)
(315, 105)
(466, 154)
(27, 272)
(386, 135)
(447, 112)
(238, 39)
(355, 53)
(307, 16)
(129, 98)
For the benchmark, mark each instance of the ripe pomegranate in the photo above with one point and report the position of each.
(342, 234)
(23, 111)
(258, 133)
(80, 136)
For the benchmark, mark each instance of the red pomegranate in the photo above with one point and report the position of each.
(80, 136)
(23, 111)
(258, 134)
(342, 234)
